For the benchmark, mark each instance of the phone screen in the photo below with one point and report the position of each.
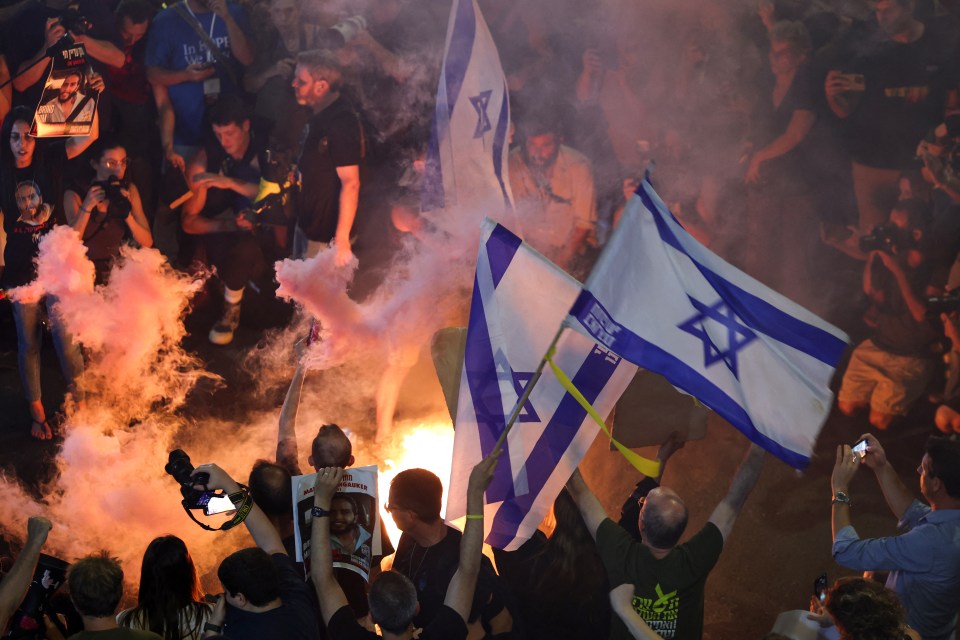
(219, 504)
(861, 447)
(820, 586)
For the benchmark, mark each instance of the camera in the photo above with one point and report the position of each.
(119, 206)
(178, 465)
(884, 237)
(71, 20)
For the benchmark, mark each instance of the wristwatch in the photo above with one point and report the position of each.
(317, 512)
(216, 628)
(841, 498)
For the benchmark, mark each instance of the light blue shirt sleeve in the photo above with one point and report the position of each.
(907, 552)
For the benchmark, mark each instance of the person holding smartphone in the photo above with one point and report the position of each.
(924, 560)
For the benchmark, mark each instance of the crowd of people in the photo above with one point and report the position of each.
(586, 575)
(797, 139)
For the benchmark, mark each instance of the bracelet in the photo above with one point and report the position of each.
(86, 211)
(474, 516)
(216, 628)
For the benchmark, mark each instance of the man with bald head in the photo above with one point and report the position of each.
(655, 580)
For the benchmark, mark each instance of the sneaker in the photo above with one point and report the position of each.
(222, 332)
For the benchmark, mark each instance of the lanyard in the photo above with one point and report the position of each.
(213, 21)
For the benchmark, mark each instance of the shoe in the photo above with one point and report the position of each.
(222, 332)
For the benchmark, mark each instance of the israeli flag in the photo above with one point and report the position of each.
(466, 162)
(663, 301)
(519, 301)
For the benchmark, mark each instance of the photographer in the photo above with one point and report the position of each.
(42, 25)
(891, 369)
(110, 211)
(264, 597)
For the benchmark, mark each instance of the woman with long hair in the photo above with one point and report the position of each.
(30, 194)
(170, 602)
(559, 583)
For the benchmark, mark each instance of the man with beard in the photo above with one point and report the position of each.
(553, 192)
(70, 105)
(350, 541)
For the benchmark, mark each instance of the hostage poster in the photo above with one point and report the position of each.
(354, 519)
(68, 102)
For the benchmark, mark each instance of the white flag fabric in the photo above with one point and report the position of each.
(519, 301)
(467, 155)
(663, 301)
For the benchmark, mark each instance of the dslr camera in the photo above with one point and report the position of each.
(119, 206)
(71, 20)
(178, 465)
(947, 303)
(885, 237)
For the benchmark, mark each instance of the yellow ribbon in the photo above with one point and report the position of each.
(649, 468)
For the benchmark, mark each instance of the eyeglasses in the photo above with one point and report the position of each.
(115, 164)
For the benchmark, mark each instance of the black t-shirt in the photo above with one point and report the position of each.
(295, 619)
(430, 569)
(246, 168)
(48, 169)
(769, 122)
(446, 625)
(334, 138)
(896, 331)
(22, 248)
(904, 96)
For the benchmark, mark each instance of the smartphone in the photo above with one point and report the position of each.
(820, 587)
(215, 504)
(860, 449)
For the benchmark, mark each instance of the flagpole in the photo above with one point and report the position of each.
(522, 400)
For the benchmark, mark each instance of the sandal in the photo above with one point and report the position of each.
(44, 432)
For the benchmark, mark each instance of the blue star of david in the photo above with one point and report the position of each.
(519, 379)
(480, 103)
(738, 335)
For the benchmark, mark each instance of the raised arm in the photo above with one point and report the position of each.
(262, 531)
(17, 581)
(725, 515)
(464, 582)
(329, 591)
(897, 495)
(590, 508)
(288, 454)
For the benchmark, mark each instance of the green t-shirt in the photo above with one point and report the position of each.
(121, 633)
(667, 593)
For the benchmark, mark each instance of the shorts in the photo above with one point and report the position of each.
(888, 382)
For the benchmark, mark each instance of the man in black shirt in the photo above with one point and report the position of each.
(330, 157)
(224, 177)
(264, 597)
(393, 598)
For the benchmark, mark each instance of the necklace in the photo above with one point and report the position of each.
(420, 583)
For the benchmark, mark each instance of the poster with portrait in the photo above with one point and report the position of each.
(68, 102)
(354, 519)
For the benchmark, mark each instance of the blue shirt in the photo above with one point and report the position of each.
(924, 562)
(173, 44)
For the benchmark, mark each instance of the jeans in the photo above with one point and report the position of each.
(27, 318)
(303, 247)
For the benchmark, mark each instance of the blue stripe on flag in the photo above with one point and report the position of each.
(756, 313)
(460, 51)
(480, 368)
(555, 439)
(649, 356)
(499, 140)
(501, 246)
